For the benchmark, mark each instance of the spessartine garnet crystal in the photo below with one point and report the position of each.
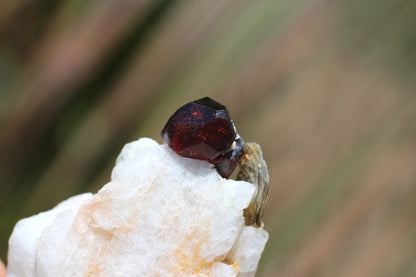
(203, 130)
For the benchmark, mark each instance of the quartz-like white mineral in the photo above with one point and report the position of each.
(160, 215)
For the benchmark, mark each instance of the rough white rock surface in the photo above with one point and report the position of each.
(161, 215)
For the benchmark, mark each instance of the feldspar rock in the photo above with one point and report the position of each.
(160, 215)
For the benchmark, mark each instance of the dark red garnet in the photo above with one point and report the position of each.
(203, 130)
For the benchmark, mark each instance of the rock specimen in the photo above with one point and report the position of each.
(160, 215)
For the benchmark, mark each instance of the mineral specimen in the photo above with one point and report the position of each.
(160, 215)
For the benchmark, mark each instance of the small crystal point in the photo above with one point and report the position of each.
(225, 167)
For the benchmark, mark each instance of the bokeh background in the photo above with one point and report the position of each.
(327, 88)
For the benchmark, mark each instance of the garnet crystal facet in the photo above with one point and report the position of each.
(230, 159)
(203, 130)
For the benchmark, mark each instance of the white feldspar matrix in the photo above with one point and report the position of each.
(160, 215)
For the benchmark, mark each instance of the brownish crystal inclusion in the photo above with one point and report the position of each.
(203, 130)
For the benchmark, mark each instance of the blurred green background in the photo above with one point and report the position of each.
(327, 88)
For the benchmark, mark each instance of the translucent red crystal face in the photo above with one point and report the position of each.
(203, 130)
